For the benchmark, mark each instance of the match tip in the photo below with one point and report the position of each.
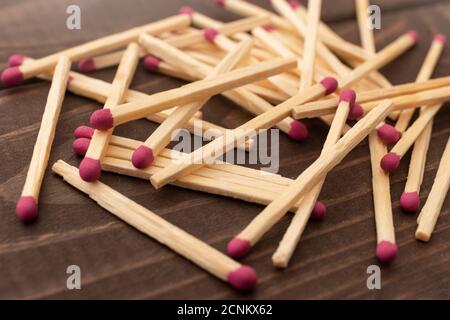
(86, 65)
(390, 162)
(220, 2)
(440, 38)
(388, 134)
(102, 119)
(348, 95)
(15, 60)
(294, 4)
(238, 248)
(80, 146)
(268, 27)
(27, 209)
(410, 201)
(414, 35)
(330, 84)
(386, 251)
(83, 132)
(142, 157)
(298, 131)
(12, 76)
(356, 112)
(90, 169)
(319, 211)
(243, 278)
(210, 34)
(186, 10)
(151, 63)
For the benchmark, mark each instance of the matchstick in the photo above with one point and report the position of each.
(430, 211)
(386, 247)
(239, 276)
(366, 34)
(100, 62)
(371, 98)
(425, 73)
(27, 206)
(266, 120)
(308, 61)
(16, 75)
(219, 178)
(241, 245)
(144, 155)
(391, 160)
(248, 129)
(292, 236)
(107, 118)
(90, 166)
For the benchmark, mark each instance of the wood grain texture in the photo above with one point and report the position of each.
(118, 262)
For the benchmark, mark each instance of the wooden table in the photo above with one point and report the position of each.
(116, 261)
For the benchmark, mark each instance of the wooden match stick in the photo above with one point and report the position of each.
(430, 211)
(240, 245)
(239, 276)
(331, 39)
(328, 106)
(425, 73)
(391, 160)
(106, 118)
(27, 206)
(90, 167)
(292, 236)
(222, 145)
(296, 130)
(16, 75)
(219, 178)
(144, 155)
(308, 61)
(386, 247)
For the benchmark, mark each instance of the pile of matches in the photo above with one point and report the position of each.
(280, 67)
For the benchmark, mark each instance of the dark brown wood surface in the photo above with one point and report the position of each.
(118, 262)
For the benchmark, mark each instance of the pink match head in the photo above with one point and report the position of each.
(12, 76)
(319, 211)
(142, 157)
(390, 162)
(348, 95)
(330, 84)
(414, 35)
(388, 134)
(102, 119)
(210, 34)
(238, 248)
(80, 146)
(298, 131)
(151, 63)
(356, 112)
(90, 169)
(27, 209)
(86, 65)
(268, 27)
(386, 251)
(243, 278)
(440, 38)
(83, 132)
(220, 3)
(294, 4)
(410, 201)
(186, 10)
(15, 60)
